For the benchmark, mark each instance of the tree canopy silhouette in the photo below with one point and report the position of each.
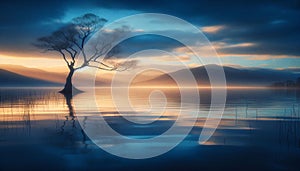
(69, 42)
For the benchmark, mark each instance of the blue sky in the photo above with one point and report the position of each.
(251, 34)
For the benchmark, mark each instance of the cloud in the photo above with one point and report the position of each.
(272, 26)
(144, 42)
(168, 58)
(267, 26)
(21, 22)
(212, 29)
(19, 14)
(266, 39)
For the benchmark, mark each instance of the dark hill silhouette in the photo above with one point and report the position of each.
(42, 75)
(234, 76)
(8, 79)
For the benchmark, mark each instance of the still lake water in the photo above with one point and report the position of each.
(260, 130)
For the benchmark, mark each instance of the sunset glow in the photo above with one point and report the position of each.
(150, 85)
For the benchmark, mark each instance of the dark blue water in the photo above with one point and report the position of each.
(259, 131)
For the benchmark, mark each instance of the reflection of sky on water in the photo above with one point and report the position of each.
(256, 124)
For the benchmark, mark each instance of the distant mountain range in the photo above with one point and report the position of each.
(23, 76)
(234, 76)
(8, 79)
(57, 77)
(18, 76)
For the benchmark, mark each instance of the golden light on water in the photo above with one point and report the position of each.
(186, 87)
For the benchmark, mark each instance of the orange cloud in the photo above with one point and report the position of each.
(182, 58)
(212, 29)
(239, 45)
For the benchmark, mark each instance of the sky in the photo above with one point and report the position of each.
(257, 33)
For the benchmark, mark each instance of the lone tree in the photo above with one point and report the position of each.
(69, 42)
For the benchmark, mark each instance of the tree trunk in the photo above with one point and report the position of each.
(68, 85)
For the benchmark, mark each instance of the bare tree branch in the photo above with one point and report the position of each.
(64, 57)
(71, 40)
